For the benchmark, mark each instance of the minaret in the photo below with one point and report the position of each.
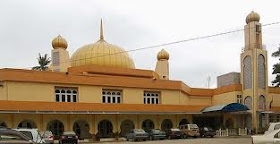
(162, 68)
(60, 56)
(254, 74)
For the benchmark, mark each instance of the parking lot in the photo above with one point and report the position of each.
(224, 140)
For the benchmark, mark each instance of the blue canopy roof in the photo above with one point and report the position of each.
(232, 107)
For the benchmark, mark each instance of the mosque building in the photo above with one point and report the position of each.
(99, 91)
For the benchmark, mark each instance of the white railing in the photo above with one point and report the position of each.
(231, 132)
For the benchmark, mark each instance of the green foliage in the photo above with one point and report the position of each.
(43, 62)
(276, 69)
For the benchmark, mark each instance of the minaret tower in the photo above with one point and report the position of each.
(60, 56)
(254, 74)
(162, 68)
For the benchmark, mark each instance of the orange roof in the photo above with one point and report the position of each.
(96, 107)
(104, 77)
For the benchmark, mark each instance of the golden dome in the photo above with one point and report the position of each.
(253, 16)
(59, 42)
(163, 55)
(103, 54)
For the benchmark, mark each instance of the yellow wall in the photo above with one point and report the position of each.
(26, 91)
(199, 100)
(225, 98)
(3, 91)
(21, 91)
(133, 96)
(90, 94)
(171, 97)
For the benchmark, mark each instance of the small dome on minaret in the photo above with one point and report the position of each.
(253, 16)
(163, 55)
(59, 42)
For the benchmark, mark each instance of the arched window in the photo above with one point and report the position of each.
(105, 129)
(262, 102)
(27, 124)
(261, 71)
(248, 102)
(147, 125)
(3, 124)
(56, 127)
(111, 96)
(247, 73)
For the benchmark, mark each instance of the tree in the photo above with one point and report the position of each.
(276, 69)
(43, 61)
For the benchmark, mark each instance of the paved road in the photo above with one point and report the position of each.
(237, 140)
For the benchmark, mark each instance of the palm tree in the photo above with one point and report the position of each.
(276, 69)
(43, 61)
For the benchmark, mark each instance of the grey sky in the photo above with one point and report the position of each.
(28, 27)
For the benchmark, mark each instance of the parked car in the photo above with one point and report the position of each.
(207, 131)
(155, 134)
(32, 134)
(68, 137)
(174, 133)
(268, 138)
(9, 136)
(47, 136)
(272, 127)
(190, 130)
(137, 134)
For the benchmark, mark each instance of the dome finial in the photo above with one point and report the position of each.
(163, 55)
(101, 31)
(252, 17)
(59, 42)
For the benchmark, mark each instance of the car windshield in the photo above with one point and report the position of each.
(156, 131)
(205, 128)
(175, 130)
(192, 126)
(46, 133)
(277, 126)
(69, 133)
(28, 134)
(5, 137)
(139, 130)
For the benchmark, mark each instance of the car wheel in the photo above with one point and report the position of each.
(212, 136)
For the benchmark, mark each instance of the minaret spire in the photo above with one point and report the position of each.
(101, 31)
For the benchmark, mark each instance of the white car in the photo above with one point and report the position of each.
(268, 138)
(272, 127)
(32, 133)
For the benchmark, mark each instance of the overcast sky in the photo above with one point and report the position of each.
(28, 27)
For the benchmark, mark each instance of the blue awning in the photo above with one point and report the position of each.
(232, 107)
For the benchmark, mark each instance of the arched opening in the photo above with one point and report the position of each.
(147, 125)
(183, 121)
(126, 126)
(166, 124)
(229, 123)
(81, 128)
(27, 124)
(56, 127)
(247, 73)
(261, 72)
(262, 102)
(248, 102)
(248, 122)
(3, 124)
(105, 129)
